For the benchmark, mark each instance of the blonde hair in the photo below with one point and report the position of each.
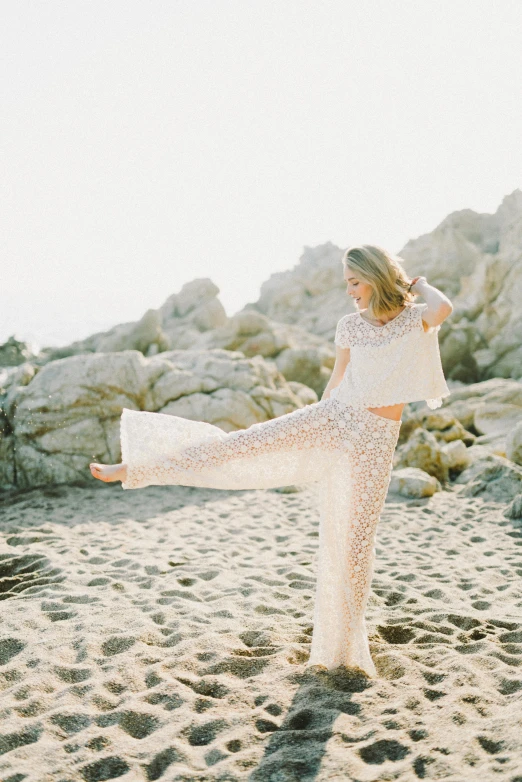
(384, 272)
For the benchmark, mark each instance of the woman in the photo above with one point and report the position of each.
(387, 354)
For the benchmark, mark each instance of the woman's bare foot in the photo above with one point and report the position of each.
(109, 472)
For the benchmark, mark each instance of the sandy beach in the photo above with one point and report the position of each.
(163, 633)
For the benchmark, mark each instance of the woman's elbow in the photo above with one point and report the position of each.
(446, 308)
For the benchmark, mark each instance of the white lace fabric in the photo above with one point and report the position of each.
(390, 364)
(336, 443)
(347, 451)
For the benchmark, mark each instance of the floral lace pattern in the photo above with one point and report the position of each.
(390, 364)
(346, 451)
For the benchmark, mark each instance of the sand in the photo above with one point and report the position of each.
(163, 634)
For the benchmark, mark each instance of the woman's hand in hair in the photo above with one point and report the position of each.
(439, 306)
(414, 281)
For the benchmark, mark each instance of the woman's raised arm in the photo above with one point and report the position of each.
(439, 306)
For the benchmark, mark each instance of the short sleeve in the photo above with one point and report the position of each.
(421, 309)
(341, 338)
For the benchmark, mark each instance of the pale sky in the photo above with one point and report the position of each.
(145, 143)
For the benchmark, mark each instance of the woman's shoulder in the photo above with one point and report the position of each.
(349, 318)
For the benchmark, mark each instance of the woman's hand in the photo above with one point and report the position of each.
(414, 282)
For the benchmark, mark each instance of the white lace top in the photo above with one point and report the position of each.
(390, 364)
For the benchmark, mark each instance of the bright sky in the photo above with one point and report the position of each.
(145, 143)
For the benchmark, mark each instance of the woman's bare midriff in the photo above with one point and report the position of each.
(390, 411)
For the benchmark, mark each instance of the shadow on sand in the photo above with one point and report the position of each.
(296, 748)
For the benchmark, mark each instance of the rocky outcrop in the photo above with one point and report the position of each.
(299, 355)
(177, 324)
(477, 260)
(311, 295)
(194, 319)
(476, 422)
(490, 409)
(58, 418)
(14, 352)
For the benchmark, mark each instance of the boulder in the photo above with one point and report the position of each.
(191, 312)
(478, 452)
(457, 456)
(514, 443)
(67, 414)
(413, 482)
(14, 352)
(424, 452)
(491, 409)
(445, 426)
(305, 394)
(514, 509)
(491, 477)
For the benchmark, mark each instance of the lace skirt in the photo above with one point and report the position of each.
(346, 450)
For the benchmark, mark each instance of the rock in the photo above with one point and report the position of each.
(445, 426)
(299, 355)
(413, 482)
(304, 366)
(14, 352)
(7, 468)
(514, 509)
(305, 394)
(423, 451)
(410, 421)
(491, 408)
(514, 444)
(492, 477)
(135, 336)
(498, 417)
(478, 390)
(463, 410)
(311, 295)
(68, 414)
(478, 452)
(457, 456)
(16, 376)
(192, 311)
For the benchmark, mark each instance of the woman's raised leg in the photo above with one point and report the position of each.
(293, 448)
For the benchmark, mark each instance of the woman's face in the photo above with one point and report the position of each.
(359, 291)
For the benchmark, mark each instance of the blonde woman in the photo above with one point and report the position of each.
(387, 354)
